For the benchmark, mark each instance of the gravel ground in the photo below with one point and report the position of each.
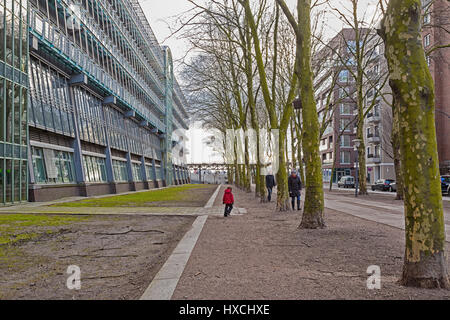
(263, 255)
(118, 257)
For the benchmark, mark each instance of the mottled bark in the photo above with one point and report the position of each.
(314, 203)
(282, 185)
(425, 262)
(395, 141)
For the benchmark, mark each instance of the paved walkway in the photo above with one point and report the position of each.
(263, 255)
(391, 214)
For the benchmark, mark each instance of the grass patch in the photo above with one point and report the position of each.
(141, 199)
(15, 228)
(18, 227)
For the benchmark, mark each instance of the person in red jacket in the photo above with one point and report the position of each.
(228, 201)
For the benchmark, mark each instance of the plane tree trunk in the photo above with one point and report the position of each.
(425, 261)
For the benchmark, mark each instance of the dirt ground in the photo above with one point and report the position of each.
(263, 255)
(118, 257)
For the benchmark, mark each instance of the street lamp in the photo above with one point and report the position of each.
(356, 143)
(297, 103)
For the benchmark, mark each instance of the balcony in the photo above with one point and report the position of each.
(373, 138)
(373, 117)
(371, 158)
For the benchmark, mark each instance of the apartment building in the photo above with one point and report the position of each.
(378, 122)
(436, 35)
(90, 101)
(334, 88)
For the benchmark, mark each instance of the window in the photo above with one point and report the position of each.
(52, 166)
(428, 60)
(376, 69)
(343, 93)
(149, 171)
(344, 124)
(346, 109)
(94, 168)
(137, 172)
(427, 40)
(377, 131)
(120, 171)
(345, 157)
(427, 18)
(343, 76)
(345, 141)
(377, 152)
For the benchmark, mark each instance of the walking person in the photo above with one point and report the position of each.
(228, 201)
(270, 183)
(295, 188)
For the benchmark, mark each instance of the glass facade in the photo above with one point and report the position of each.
(137, 172)
(52, 166)
(149, 172)
(79, 79)
(94, 169)
(120, 171)
(13, 101)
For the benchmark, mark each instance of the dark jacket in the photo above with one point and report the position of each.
(295, 185)
(270, 181)
(228, 197)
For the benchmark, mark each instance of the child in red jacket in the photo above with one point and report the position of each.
(228, 201)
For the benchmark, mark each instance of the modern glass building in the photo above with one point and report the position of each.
(102, 101)
(13, 101)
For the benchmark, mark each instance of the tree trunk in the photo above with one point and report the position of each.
(282, 183)
(361, 157)
(314, 203)
(425, 263)
(395, 137)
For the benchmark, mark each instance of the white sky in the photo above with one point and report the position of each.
(161, 15)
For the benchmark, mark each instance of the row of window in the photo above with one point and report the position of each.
(13, 180)
(97, 47)
(56, 167)
(51, 108)
(89, 109)
(50, 105)
(14, 33)
(13, 112)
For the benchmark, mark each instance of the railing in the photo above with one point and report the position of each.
(71, 51)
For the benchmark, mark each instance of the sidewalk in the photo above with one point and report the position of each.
(262, 255)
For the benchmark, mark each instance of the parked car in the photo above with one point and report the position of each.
(393, 187)
(383, 185)
(346, 182)
(445, 185)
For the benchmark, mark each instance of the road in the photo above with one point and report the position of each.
(387, 193)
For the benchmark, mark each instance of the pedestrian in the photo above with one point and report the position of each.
(228, 201)
(270, 183)
(295, 188)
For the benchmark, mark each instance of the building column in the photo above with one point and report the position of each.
(155, 176)
(80, 175)
(130, 172)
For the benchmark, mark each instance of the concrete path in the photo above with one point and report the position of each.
(166, 280)
(389, 214)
